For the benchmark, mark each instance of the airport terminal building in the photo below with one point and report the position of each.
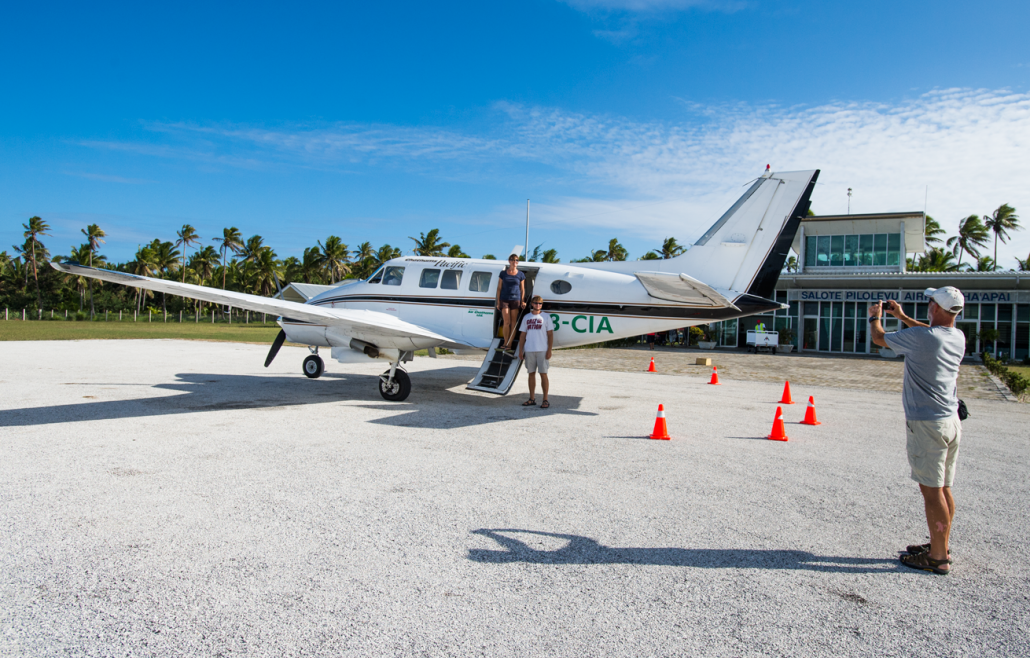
(848, 261)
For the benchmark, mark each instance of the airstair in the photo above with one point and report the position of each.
(499, 370)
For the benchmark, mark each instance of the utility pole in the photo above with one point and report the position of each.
(527, 232)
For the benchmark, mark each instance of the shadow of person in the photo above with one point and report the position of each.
(584, 550)
(430, 405)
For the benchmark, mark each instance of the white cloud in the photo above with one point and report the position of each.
(661, 178)
(646, 6)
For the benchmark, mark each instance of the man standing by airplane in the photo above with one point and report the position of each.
(930, 397)
(535, 343)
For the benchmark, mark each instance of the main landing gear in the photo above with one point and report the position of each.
(394, 384)
(314, 366)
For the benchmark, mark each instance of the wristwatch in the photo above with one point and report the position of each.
(873, 318)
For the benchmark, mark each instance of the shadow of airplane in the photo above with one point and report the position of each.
(584, 550)
(431, 404)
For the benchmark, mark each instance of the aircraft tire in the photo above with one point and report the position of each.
(400, 389)
(314, 366)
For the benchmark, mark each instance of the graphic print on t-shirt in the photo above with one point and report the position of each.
(536, 327)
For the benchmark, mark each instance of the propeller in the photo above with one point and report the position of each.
(276, 344)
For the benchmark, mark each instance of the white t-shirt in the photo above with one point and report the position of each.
(536, 326)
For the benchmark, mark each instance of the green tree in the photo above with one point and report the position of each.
(95, 237)
(187, 238)
(670, 249)
(429, 244)
(489, 257)
(932, 229)
(1024, 265)
(364, 260)
(334, 258)
(791, 265)
(145, 264)
(1000, 222)
(650, 255)
(972, 236)
(550, 256)
(311, 265)
(232, 240)
(265, 269)
(985, 264)
(456, 252)
(616, 251)
(35, 228)
(253, 248)
(936, 260)
(80, 254)
(166, 261)
(292, 270)
(386, 253)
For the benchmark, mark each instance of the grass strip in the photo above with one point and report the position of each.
(46, 330)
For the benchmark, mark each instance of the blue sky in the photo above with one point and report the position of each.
(635, 119)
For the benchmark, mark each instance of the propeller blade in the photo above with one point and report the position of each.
(276, 344)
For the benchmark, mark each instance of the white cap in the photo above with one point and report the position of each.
(948, 298)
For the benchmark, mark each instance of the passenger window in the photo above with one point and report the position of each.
(451, 279)
(479, 282)
(377, 276)
(429, 279)
(561, 287)
(392, 276)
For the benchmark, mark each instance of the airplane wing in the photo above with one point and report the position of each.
(349, 321)
(683, 289)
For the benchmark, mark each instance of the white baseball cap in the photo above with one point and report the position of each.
(948, 298)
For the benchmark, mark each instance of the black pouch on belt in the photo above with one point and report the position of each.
(963, 413)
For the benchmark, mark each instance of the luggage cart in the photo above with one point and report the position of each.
(762, 341)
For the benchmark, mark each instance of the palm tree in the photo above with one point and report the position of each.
(35, 228)
(936, 260)
(291, 268)
(489, 257)
(791, 265)
(550, 256)
(598, 256)
(363, 260)
(187, 238)
(1024, 265)
(972, 236)
(232, 240)
(386, 253)
(334, 258)
(985, 264)
(265, 269)
(311, 265)
(166, 261)
(251, 251)
(203, 262)
(650, 255)
(144, 265)
(931, 229)
(616, 251)
(1000, 222)
(670, 249)
(456, 252)
(79, 254)
(95, 237)
(428, 244)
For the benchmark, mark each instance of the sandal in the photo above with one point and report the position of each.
(529, 403)
(924, 562)
(545, 405)
(919, 549)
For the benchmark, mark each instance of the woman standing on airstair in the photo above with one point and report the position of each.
(511, 290)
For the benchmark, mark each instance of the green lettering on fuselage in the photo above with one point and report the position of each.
(604, 324)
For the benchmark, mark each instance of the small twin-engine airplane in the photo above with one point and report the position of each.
(413, 303)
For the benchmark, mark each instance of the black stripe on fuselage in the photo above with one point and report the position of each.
(748, 305)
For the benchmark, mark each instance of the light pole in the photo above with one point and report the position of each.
(849, 200)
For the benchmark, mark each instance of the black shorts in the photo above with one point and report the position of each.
(513, 304)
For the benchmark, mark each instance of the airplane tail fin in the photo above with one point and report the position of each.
(746, 248)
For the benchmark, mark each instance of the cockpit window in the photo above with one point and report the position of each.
(451, 279)
(392, 276)
(429, 279)
(377, 276)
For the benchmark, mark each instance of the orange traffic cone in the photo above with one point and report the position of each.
(810, 413)
(786, 394)
(650, 368)
(660, 430)
(715, 376)
(778, 432)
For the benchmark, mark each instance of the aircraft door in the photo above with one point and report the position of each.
(478, 320)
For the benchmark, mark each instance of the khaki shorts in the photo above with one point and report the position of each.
(933, 450)
(535, 362)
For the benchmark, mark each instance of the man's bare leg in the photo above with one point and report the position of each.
(938, 519)
(532, 386)
(543, 384)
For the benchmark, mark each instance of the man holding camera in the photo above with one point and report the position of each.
(932, 353)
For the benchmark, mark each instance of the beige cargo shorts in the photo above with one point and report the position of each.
(535, 362)
(933, 450)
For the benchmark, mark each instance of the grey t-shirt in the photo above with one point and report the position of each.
(932, 358)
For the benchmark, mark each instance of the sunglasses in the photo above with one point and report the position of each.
(536, 303)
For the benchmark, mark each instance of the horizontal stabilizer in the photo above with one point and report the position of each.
(682, 289)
